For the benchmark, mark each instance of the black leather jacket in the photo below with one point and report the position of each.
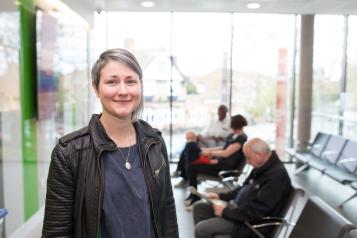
(75, 182)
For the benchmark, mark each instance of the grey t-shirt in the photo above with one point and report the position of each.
(126, 209)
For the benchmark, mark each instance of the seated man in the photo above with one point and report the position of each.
(217, 130)
(263, 194)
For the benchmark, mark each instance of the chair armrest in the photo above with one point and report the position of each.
(229, 179)
(268, 221)
(329, 152)
(347, 160)
(263, 222)
(229, 173)
(348, 181)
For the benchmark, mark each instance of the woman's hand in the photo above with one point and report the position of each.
(205, 152)
(214, 161)
(212, 195)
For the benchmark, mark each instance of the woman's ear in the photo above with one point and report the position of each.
(95, 89)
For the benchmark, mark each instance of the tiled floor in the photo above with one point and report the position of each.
(312, 181)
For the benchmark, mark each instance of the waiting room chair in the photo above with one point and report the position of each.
(320, 220)
(351, 234)
(281, 226)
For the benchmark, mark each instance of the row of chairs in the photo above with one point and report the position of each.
(334, 156)
(308, 217)
(302, 216)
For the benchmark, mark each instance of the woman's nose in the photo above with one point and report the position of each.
(122, 88)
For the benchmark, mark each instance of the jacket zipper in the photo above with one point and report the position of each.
(100, 194)
(150, 193)
(157, 171)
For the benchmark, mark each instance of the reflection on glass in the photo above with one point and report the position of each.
(327, 63)
(201, 49)
(350, 100)
(63, 83)
(9, 61)
(262, 58)
(327, 72)
(10, 121)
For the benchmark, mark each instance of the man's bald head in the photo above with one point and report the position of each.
(257, 152)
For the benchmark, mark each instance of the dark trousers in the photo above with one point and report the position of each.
(194, 169)
(207, 225)
(181, 166)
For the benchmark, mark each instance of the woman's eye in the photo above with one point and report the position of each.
(131, 82)
(111, 82)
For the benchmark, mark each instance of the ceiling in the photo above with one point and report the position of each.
(268, 6)
(86, 7)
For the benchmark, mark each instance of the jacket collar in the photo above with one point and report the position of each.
(145, 134)
(270, 163)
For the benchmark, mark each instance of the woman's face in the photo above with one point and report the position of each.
(119, 90)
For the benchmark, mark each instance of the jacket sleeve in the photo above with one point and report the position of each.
(264, 201)
(58, 219)
(171, 227)
(229, 195)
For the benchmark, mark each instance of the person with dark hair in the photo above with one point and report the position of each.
(111, 178)
(217, 130)
(230, 156)
(261, 195)
(212, 136)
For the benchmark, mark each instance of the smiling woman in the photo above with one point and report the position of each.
(100, 177)
(119, 90)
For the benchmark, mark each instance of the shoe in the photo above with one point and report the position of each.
(189, 208)
(190, 201)
(189, 197)
(181, 184)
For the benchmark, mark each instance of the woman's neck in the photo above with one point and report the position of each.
(238, 131)
(121, 131)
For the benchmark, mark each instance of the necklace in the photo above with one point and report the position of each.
(127, 164)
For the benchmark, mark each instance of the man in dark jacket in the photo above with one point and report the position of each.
(263, 194)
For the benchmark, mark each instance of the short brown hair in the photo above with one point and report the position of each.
(238, 122)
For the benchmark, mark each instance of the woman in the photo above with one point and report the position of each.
(229, 157)
(111, 178)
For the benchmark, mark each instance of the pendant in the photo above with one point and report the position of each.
(127, 165)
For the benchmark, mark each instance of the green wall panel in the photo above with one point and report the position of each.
(28, 91)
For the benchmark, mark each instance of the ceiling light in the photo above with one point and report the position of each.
(147, 4)
(253, 5)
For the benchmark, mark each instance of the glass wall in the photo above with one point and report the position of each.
(201, 53)
(262, 59)
(350, 98)
(63, 82)
(192, 62)
(10, 120)
(63, 106)
(327, 73)
(185, 65)
(232, 59)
